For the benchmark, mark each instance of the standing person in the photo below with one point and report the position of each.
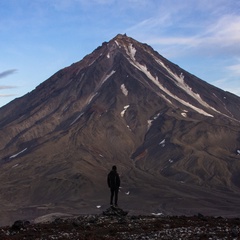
(113, 180)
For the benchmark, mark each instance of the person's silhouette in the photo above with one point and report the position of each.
(113, 181)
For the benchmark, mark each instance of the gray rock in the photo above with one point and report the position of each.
(114, 211)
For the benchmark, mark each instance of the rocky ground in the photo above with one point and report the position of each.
(114, 223)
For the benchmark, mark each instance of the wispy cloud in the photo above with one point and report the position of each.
(7, 95)
(62, 5)
(230, 78)
(7, 73)
(234, 69)
(230, 86)
(4, 87)
(218, 32)
(222, 36)
(7, 87)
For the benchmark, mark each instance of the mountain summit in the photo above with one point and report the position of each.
(174, 138)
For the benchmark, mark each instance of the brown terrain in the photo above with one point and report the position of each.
(114, 224)
(174, 138)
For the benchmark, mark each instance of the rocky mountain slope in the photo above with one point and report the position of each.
(174, 138)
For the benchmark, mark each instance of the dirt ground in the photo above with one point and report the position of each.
(119, 225)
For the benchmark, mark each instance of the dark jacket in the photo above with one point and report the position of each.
(113, 180)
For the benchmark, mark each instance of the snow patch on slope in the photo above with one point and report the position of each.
(184, 113)
(124, 110)
(124, 90)
(131, 52)
(179, 81)
(15, 155)
(162, 143)
(108, 76)
(76, 118)
(149, 122)
(117, 43)
(91, 97)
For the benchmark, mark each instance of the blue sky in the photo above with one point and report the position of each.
(39, 37)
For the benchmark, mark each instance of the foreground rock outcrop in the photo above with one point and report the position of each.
(116, 224)
(115, 211)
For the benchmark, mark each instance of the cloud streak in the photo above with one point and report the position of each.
(7, 73)
(4, 87)
(235, 69)
(7, 87)
(7, 95)
(222, 36)
(218, 32)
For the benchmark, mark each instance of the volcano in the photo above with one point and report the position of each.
(174, 138)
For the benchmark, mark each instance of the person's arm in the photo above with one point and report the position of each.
(108, 181)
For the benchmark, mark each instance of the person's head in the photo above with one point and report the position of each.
(114, 168)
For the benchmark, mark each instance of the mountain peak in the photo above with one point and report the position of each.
(121, 36)
(124, 40)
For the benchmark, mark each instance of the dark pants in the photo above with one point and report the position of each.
(114, 192)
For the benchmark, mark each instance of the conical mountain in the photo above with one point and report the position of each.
(174, 138)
